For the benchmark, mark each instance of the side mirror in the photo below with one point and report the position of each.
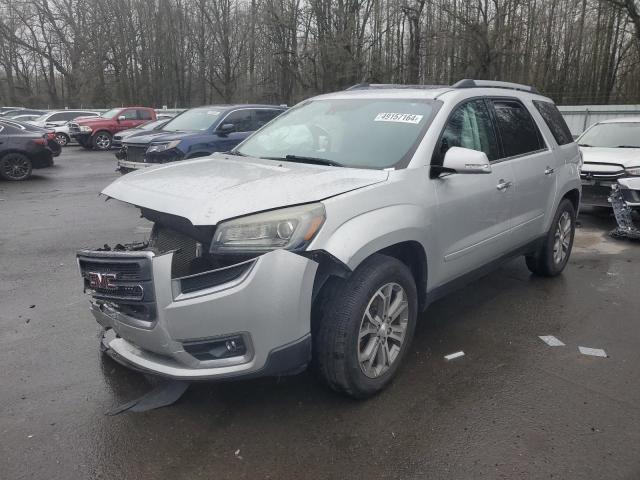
(226, 128)
(121, 117)
(51, 124)
(465, 160)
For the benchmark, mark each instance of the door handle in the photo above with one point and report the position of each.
(549, 171)
(503, 185)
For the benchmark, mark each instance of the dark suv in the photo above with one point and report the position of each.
(197, 132)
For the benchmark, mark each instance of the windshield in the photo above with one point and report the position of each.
(359, 133)
(41, 118)
(194, 119)
(612, 135)
(111, 113)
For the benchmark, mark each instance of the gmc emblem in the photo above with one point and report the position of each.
(102, 280)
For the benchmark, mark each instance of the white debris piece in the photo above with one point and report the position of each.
(452, 356)
(551, 341)
(594, 352)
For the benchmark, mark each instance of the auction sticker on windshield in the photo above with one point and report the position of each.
(398, 117)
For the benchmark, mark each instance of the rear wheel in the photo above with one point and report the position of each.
(15, 167)
(366, 327)
(553, 255)
(102, 140)
(62, 139)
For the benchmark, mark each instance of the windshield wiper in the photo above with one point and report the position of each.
(303, 159)
(627, 146)
(584, 145)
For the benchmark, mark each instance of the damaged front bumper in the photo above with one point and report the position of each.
(248, 319)
(625, 200)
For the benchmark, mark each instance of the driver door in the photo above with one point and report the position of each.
(473, 210)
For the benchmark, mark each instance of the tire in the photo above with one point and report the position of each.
(355, 365)
(553, 255)
(62, 139)
(15, 167)
(102, 140)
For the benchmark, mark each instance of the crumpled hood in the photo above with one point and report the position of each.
(208, 190)
(627, 157)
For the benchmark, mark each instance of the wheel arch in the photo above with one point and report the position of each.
(574, 196)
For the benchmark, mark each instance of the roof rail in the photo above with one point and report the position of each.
(469, 83)
(370, 86)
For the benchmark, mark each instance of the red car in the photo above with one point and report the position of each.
(97, 132)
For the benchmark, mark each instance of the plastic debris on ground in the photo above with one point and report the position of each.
(551, 341)
(594, 352)
(627, 228)
(453, 356)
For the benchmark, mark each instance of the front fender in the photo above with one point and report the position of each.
(370, 232)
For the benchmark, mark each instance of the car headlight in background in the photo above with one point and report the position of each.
(290, 228)
(85, 129)
(161, 147)
(635, 171)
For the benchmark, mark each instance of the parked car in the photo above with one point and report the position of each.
(325, 234)
(98, 132)
(6, 110)
(610, 150)
(22, 111)
(25, 118)
(60, 118)
(21, 150)
(63, 134)
(55, 148)
(197, 132)
(143, 129)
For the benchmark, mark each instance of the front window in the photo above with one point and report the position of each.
(194, 119)
(359, 133)
(42, 118)
(111, 113)
(612, 135)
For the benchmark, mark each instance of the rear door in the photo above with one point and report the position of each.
(534, 166)
(474, 210)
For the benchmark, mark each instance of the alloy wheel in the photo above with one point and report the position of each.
(103, 141)
(382, 330)
(62, 139)
(15, 167)
(562, 240)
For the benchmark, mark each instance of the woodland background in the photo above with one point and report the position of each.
(181, 53)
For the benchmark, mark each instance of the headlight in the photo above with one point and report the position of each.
(633, 171)
(289, 228)
(85, 128)
(161, 147)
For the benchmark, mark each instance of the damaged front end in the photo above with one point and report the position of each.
(172, 308)
(625, 200)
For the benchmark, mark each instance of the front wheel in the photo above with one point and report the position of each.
(62, 139)
(15, 167)
(102, 140)
(553, 255)
(366, 327)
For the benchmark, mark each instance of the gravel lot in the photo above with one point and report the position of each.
(512, 407)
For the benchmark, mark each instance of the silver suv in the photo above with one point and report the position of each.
(323, 236)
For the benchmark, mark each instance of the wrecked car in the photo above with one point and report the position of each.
(322, 237)
(625, 200)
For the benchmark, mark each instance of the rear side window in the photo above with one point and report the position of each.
(144, 115)
(553, 118)
(469, 126)
(262, 117)
(518, 131)
(129, 115)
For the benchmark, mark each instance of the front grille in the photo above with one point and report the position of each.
(135, 154)
(74, 128)
(124, 281)
(595, 195)
(213, 278)
(604, 173)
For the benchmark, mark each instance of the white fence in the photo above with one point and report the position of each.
(580, 117)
